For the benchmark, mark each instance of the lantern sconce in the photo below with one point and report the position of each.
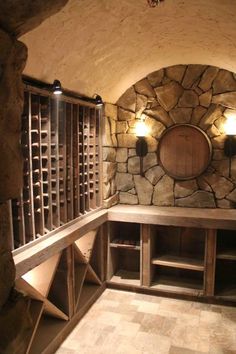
(141, 132)
(230, 142)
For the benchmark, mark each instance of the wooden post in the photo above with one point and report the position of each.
(146, 255)
(210, 261)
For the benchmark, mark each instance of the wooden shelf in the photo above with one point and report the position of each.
(125, 246)
(126, 277)
(178, 285)
(179, 262)
(228, 254)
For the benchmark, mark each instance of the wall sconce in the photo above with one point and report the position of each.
(141, 144)
(230, 142)
(56, 87)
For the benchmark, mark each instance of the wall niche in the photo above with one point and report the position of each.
(201, 96)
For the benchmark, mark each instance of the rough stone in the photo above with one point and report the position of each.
(128, 100)
(113, 186)
(213, 131)
(151, 143)
(203, 184)
(13, 56)
(126, 140)
(131, 152)
(160, 114)
(121, 154)
(222, 167)
(110, 110)
(128, 198)
(113, 200)
(199, 199)
(224, 204)
(189, 98)
(166, 80)
(106, 190)
(132, 191)
(205, 98)
(168, 95)
(218, 155)
(113, 140)
(155, 128)
(220, 185)
(156, 77)
(122, 167)
(181, 115)
(134, 165)
(163, 192)
(7, 268)
(208, 77)
(144, 190)
(109, 170)
(192, 74)
(124, 182)
(149, 160)
(121, 127)
(224, 82)
(27, 17)
(125, 115)
(106, 137)
(197, 114)
(185, 188)
(228, 112)
(141, 104)
(218, 142)
(176, 72)
(213, 113)
(154, 174)
(225, 99)
(219, 123)
(232, 196)
(143, 87)
(109, 154)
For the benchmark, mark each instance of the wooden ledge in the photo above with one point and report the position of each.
(34, 254)
(175, 216)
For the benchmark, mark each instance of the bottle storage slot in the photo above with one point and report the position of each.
(61, 150)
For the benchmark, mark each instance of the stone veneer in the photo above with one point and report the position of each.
(196, 94)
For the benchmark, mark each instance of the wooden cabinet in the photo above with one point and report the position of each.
(173, 253)
(226, 264)
(124, 253)
(61, 289)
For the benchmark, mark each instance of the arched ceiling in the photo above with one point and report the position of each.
(104, 46)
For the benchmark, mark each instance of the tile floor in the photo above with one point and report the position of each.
(128, 323)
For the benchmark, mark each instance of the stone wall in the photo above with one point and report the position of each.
(196, 94)
(109, 141)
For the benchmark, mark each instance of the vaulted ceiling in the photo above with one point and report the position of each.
(104, 46)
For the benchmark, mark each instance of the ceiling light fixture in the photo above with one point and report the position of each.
(56, 87)
(98, 100)
(154, 3)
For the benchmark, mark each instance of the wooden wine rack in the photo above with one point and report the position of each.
(61, 144)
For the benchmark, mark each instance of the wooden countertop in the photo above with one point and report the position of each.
(175, 216)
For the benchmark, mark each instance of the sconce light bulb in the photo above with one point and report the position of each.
(230, 125)
(141, 129)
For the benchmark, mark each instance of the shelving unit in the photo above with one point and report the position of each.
(124, 253)
(226, 264)
(177, 254)
(61, 141)
(61, 289)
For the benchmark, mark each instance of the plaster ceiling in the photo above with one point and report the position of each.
(105, 46)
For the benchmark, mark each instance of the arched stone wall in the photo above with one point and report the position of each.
(197, 94)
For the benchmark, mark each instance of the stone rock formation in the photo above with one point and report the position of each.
(200, 95)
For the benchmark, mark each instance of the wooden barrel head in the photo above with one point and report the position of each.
(184, 151)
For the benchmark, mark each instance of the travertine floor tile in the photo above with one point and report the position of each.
(128, 323)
